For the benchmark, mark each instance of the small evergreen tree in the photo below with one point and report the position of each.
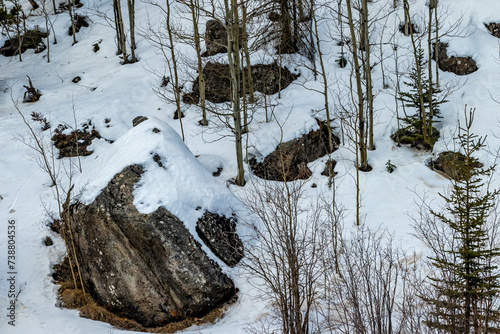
(420, 93)
(465, 298)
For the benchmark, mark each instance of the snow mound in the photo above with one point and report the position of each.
(173, 177)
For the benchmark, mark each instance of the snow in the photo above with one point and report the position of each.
(111, 95)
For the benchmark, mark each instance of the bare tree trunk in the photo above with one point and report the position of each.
(368, 72)
(177, 92)
(429, 46)
(406, 8)
(324, 77)
(131, 15)
(123, 38)
(201, 78)
(71, 16)
(436, 42)
(117, 28)
(20, 40)
(233, 53)
(363, 161)
(251, 98)
(47, 19)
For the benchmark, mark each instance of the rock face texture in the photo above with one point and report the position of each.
(215, 38)
(494, 29)
(267, 79)
(457, 65)
(146, 267)
(219, 234)
(293, 156)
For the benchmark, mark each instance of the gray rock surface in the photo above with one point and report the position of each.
(219, 234)
(215, 38)
(145, 267)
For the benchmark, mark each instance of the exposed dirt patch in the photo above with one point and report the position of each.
(290, 159)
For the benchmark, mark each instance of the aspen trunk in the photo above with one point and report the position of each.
(368, 73)
(233, 53)
(131, 15)
(324, 77)
(363, 156)
(177, 92)
(251, 98)
(429, 46)
(123, 40)
(201, 79)
(70, 11)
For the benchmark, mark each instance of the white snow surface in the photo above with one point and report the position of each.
(110, 95)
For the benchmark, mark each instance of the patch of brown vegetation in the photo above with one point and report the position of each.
(74, 144)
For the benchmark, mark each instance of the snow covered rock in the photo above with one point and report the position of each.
(457, 65)
(293, 156)
(147, 267)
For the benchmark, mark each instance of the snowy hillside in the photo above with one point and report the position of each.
(110, 95)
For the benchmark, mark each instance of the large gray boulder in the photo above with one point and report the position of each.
(147, 267)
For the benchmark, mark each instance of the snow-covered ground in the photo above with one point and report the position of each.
(109, 90)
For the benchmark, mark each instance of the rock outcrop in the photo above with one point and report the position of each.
(267, 79)
(457, 65)
(291, 158)
(215, 38)
(146, 267)
(494, 29)
(219, 234)
(32, 39)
